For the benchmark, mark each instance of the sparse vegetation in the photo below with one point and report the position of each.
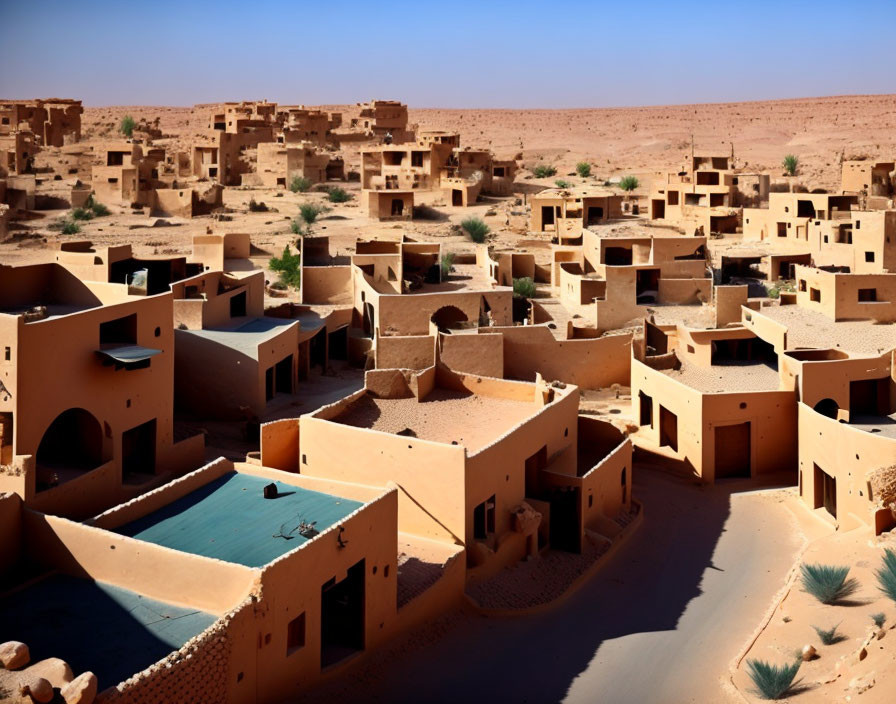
(446, 263)
(629, 183)
(257, 206)
(828, 583)
(560, 183)
(309, 212)
(338, 195)
(544, 171)
(82, 214)
(70, 227)
(299, 184)
(772, 681)
(98, 209)
(524, 287)
(127, 126)
(791, 163)
(879, 619)
(475, 228)
(886, 574)
(583, 169)
(829, 637)
(780, 287)
(297, 227)
(288, 266)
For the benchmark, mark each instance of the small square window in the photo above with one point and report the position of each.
(295, 634)
(7, 354)
(869, 256)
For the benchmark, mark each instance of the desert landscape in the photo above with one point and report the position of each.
(376, 402)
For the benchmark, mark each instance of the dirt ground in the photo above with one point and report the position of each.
(862, 661)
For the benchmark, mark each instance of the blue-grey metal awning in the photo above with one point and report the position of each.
(127, 356)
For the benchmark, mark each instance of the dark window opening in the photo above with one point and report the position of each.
(121, 331)
(867, 295)
(138, 453)
(71, 446)
(342, 616)
(295, 634)
(668, 429)
(484, 519)
(825, 491)
(869, 256)
(238, 305)
(645, 404)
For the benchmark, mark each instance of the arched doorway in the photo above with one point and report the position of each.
(827, 407)
(70, 446)
(448, 317)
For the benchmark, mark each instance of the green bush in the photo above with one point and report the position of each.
(476, 229)
(70, 227)
(524, 287)
(299, 184)
(583, 169)
(82, 214)
(886, 574)
(629, 183)
(829, 637)
(308, 212)
(771, 681)
(828, 583)
(560, 183)
(98, 209)
(879, 619)
(544, 171)
(127, 125)
(446, 263)
(288, 266)
(297, 227)
(790, 164)
(338, 195)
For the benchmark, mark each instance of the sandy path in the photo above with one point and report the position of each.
(659, 624)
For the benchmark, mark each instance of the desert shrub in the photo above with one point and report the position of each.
(308, 212)
(98, 209)
(879, 619)
(543, 171)
(829, 637)
(127, 125)
(772, 681)
(288, 266)
(790, 164)
(70, 227)
(828, 583)
(475, 228)
(82, 214)
(297, 227)
(886, 574)
(629, 183)
(524, 287)
(560, 183)
(338, 195)
(299, 184)
(257, 206)
(446, 263)
(583, 169)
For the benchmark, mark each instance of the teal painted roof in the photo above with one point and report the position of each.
(112, 632)
(229, 519)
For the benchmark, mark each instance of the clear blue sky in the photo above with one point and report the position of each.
(460, 53)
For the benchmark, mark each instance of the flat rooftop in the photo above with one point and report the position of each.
(808, 328)
(246, 335)
(110, 631)
(721, 378)
(444, 416)
(465, 277)
(229, 519)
